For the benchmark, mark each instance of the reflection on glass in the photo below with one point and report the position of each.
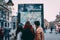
(30, 16)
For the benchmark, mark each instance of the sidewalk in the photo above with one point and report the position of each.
(51, 36)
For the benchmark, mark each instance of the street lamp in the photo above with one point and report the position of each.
(10, 3)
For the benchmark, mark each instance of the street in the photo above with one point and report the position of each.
(51, 36)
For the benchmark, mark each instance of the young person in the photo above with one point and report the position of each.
(28, 33)
(39, 35)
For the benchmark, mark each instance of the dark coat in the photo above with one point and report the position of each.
(1, 32)
(27, 35)
(6, 31)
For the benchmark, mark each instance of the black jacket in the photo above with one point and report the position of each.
(27, 35)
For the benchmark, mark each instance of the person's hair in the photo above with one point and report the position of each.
(27, 25)
(37, 23)
(20, 27)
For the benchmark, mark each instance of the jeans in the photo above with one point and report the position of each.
(7, 38)
(1, 38)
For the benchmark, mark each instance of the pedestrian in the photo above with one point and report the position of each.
(6, 33)
(20, 26)
(51, 28)
(19, 35)
(28, 33)
(39, 35)
(44, 30)
(1, 33)
(56, 28)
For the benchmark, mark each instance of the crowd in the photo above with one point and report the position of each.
(29, 32)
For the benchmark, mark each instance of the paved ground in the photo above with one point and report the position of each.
(51, 36)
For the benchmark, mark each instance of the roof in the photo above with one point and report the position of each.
(2, 6)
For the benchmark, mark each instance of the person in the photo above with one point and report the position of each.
(44, 30)
(6, 33)
(56, 28)
(1, 33)
(19, 35)
(19, 29)
(28, 33)
(51, 28)
(39, 35)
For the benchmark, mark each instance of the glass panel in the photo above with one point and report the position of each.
(30, 16)
(31, 12)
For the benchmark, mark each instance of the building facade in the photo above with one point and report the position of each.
(14, 22)
(46, 24)
(4, 14)
(57, 20)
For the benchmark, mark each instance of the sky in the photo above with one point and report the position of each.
(51, 7)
